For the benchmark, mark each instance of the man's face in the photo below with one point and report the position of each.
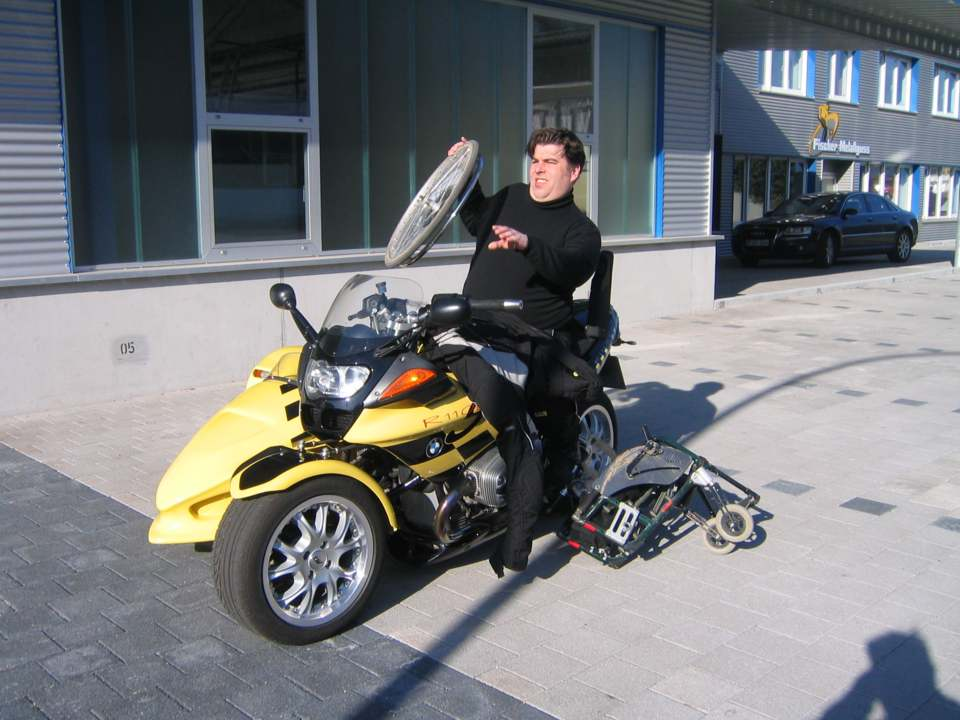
(551, 174)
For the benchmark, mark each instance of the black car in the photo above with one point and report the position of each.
(826, 226)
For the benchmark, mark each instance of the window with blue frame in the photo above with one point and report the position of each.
(940, 198)
(897, 85)
(787, 71)
(894, 182)
(946, 91)
(762, 183)
(844, 78)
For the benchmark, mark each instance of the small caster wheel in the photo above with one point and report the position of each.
(714, 541)
(734, 522)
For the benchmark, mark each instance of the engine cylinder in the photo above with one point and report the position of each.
(488, 474)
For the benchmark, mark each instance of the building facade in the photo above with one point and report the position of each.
(794, 121)
(162, 164)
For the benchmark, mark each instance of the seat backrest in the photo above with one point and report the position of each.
(598, 309)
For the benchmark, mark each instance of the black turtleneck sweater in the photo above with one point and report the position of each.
(562, 252)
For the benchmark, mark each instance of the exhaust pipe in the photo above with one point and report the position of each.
(441, 519)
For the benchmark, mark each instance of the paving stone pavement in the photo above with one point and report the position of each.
(842, 409)
(96, 623)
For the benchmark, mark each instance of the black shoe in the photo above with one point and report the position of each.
(496, 562)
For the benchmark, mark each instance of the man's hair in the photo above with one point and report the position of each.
(572, 147)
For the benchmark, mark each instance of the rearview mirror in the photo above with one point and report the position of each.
(849, 211)
(283, 297)
(449, 310)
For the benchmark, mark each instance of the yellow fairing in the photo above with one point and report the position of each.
(402, 423)
(196, 489)
(314, 468)
(283, 362)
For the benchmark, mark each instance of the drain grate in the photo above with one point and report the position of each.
(852, 393)
(948, 523)
(909, 403)
(789, 487)
(872, 507)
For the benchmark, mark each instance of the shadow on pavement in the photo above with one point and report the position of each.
(400, 581)
(671, 413)
(731, 279)
(901, 677)
(666, 411)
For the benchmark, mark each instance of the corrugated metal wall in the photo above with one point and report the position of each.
(33, 214)
(687, 142)
(694, 14)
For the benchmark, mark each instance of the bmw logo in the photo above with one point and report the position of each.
(434, 447)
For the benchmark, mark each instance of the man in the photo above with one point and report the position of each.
(535, 245)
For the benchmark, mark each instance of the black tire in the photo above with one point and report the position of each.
(253, 536)
(827, 248)
(747, 261)
(596, 411)
(902, 248)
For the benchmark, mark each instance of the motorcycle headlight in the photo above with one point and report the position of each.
(798, 230)
(333, 381)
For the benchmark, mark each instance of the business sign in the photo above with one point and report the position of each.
(823, 138)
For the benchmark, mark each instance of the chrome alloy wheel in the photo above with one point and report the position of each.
(903, 245)
(318, 560)
(830, 251)
(596, 440)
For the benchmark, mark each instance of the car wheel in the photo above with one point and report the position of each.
(747, 261)
(597, 439)
(298, 566)
(826, 250)
(902, 249)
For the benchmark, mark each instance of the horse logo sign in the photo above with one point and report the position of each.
(826, 129)
(822, 138)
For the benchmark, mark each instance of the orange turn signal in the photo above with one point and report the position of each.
(261, 373)
(408, 381)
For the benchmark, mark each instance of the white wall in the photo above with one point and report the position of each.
(63, 343)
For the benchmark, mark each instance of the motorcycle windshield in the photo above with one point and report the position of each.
(368, 311)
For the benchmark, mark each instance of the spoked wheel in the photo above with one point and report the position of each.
(714, 541)
(298, 566)
(433, 206)
(901, 251)
(734, 523)
(597, 440)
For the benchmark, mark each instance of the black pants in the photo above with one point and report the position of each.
(558, 422)
(503, 405)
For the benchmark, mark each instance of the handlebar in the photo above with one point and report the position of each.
(509, 305)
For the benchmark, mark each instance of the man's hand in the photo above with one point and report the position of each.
(456, 146)
(508, 239)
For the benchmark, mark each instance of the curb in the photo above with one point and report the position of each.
(814, 290)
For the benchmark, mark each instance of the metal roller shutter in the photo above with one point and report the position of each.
(33, 212)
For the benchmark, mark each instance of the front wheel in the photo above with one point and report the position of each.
(903, 247)
(598, 433)
(297, 566)
(826, 250)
